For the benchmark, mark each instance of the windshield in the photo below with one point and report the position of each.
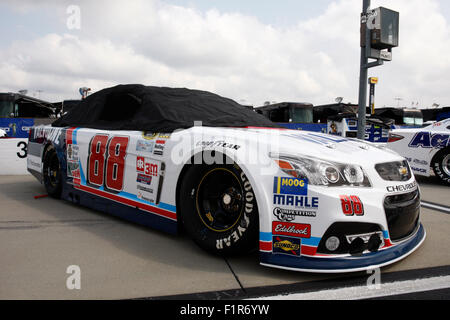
(301, 115)
(413, 118)
(6, 109)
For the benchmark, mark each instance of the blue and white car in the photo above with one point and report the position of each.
(426, 149)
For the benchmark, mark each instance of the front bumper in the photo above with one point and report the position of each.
(349, 263)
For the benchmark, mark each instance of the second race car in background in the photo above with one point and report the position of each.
(426, 149)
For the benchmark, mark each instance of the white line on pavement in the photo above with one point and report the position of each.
(366, 292)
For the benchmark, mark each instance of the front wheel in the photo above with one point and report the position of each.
(441, 166)
(219, 210)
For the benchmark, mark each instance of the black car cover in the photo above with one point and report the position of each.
(158, 109)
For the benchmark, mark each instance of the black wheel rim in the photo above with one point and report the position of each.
(52, 170)
(446, 164)
(220, 199)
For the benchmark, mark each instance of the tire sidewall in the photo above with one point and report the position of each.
(241, 237)
(438, 166)
(53, 191)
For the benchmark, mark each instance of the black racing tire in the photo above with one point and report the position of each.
(441, 165)
(219, 210)
(52, 173)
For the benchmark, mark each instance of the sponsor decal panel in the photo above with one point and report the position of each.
(292, 192)
(293, 186)
(159, 147)
(286, 245)
(146, 166)
(144, 179)
(287, 215)
(73, 163)
(154, 135)
(147, 178)
(428, 140)
(73, 169)
(73, 152)
(296, 201)
(220, 144)
(145, 146)
(34, 162)
(419, 170)
(402, 188)
(351, 205)
(299, 230)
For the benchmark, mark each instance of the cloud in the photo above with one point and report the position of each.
(232, 54)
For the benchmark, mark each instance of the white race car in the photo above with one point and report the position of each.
(425, 148)
(3, 133)
(306, 201)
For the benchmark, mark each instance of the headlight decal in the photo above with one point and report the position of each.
(322, 172)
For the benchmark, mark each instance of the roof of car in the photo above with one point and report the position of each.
(158, 109)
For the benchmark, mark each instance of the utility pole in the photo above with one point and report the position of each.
(379, 34)
(363, 73)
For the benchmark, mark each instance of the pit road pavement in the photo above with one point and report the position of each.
(41, 238)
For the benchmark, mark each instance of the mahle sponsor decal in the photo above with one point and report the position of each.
(299, 230)
(296, 201)
(293, 186)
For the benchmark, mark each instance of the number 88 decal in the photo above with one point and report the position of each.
(106, 161)
(352, 205)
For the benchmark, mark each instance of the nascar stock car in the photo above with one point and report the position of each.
(425, 148)
(237, 182)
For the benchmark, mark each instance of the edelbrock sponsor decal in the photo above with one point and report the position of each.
(299, 230)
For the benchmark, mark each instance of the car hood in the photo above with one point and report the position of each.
(322, 146)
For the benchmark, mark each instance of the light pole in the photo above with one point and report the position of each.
(363, 73)
(379, 34)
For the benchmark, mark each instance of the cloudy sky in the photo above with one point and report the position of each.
(251, 51)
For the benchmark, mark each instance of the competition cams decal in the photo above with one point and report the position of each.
(290, 214)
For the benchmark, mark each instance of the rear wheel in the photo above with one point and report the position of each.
(441, 165)
(52, 173)
(218, 209)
